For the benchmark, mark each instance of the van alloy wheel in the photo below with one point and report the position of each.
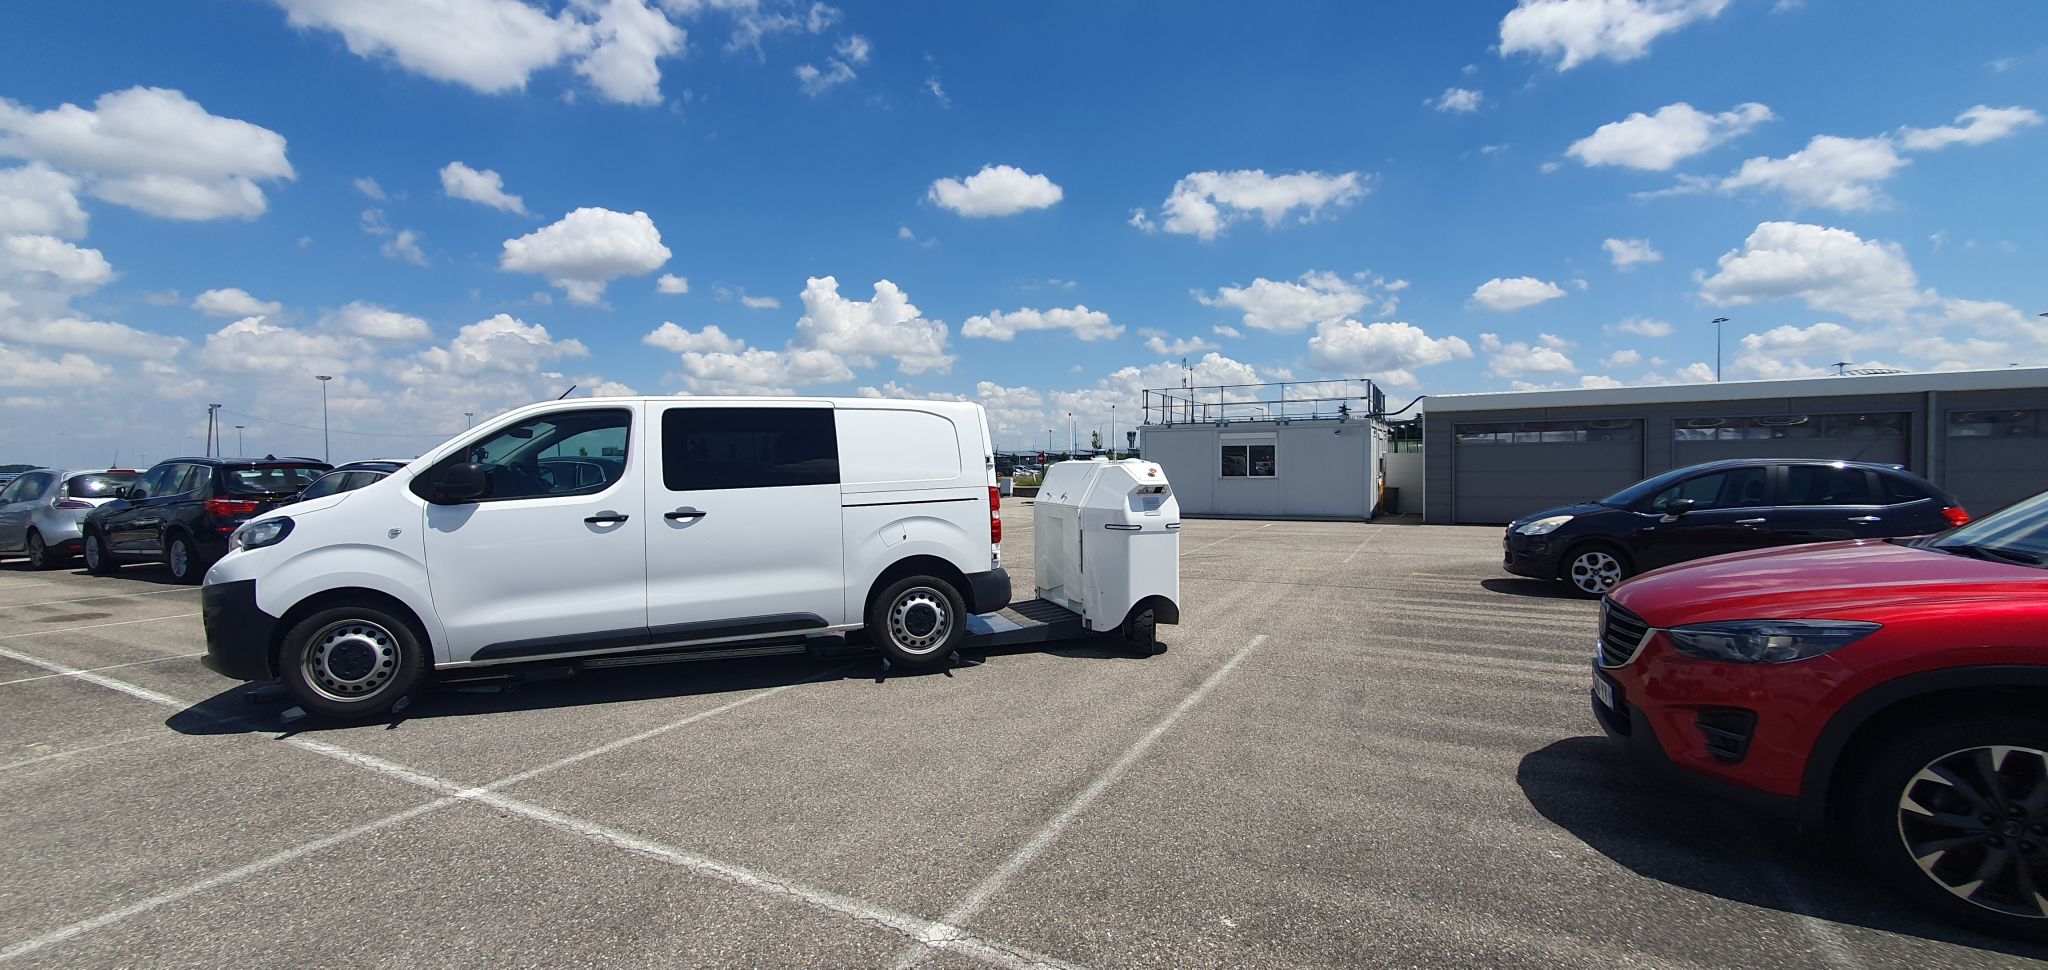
(1976, 822)
(919, 620)
(351, 660)
(1594, 571)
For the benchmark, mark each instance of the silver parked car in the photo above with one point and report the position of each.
(40, 512)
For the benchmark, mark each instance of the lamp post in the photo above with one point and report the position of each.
(1718, 321)
(1112, 432)
(1048, 445)
(326, 449)
(1073, 435)
(469, 419)
(240, 449)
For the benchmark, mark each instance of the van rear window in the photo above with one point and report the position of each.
(272, 478)
(714, 448)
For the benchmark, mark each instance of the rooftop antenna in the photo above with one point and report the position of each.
(566, 393)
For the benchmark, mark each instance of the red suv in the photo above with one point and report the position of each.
(1897, 688)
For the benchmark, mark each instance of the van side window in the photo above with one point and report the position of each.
(713, 448)
(519, 459)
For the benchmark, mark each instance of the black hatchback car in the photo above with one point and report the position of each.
(182, 511)
(1721, 507)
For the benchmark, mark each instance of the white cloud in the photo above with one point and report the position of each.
(1979, 125)
(1180, 347)
(1784, 351)
(1203, 204)
(677, 340)
(1086, 324)
(1622, 358)
(1656, 142)
(153, 150)
(485, 187)
(815, 82)
(375, 223)
(1223, 331)
(502, 344)
(630, 37)
(369, 188)
(254, 345)
(996, 190)
(760, 303)
(853, 49)
(38, 200)
(405, 247)
(1284, 307)
(488, 45)
(1577, 31)
(233, 302)
(886, 326)
(1642, 327)
(41, 262)
(1519, 359)
(377, 323)
(671, 284)
(1386, 352)
(1830, 172)
(755, 371)
(19, 368)
(1599, 381)
(1626, 253)
(587, 249)
(937, 91)
(1832, 270)
(1504, 295)
(97, 336)
(1461, 100)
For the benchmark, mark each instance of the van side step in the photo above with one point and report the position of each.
(779, 649)
(1033, 621)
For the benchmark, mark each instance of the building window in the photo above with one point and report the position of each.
(1997, 424)
(1772, 427)
(1548, 432)
(1248, 460)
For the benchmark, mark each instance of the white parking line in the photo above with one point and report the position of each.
(979, 896)
(1227, 538)
(103, 596)
(915, 929)
(89, 626)
(132, 663)
(73, 752)
(1361, 547)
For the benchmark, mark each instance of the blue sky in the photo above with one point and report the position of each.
(470, 204)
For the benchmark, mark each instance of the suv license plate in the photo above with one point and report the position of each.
(1604, 691)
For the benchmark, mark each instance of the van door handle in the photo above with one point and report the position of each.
(606, 518)
(684, 513)
(1749, 521)
(1866, 518)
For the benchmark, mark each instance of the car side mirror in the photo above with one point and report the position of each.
(1680, 506)
(461, 482)
(126, 494)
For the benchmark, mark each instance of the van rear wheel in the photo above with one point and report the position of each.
(917, 621)
(352, 662)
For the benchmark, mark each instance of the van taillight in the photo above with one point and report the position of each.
(228, 508)
(1955, 515)
(995, 516)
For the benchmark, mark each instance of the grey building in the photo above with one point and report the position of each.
(1489, 458)
(1290, 451)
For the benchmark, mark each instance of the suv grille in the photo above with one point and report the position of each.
(1621, 632)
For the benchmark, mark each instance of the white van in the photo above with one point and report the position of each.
(614, 526)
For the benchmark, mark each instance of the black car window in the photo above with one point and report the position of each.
(152, 483)
(1827, 485)
(1898, 490)
(715, 448)
(272, 479)
(327, 484)
(1735, 488)
(191, 478)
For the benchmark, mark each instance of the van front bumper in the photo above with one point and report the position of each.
(988, 592)
(238, 633)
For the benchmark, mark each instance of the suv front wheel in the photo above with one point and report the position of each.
(917, 621)
(1955, 814)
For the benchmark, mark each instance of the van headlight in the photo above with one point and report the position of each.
(265, 532)
(1543, 526)
(1767, 641)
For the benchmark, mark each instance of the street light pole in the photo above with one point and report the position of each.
(469, 419)
(1112, 432)
(240, 449)
(1048, 444)
(1073, 435)
(1718, 321)
(326, 449)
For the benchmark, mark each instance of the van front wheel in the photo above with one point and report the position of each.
(352, 662)
(917, 621)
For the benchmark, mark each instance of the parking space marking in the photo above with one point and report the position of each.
(979, 896)
(1227, 538)
(132, 663)
(1361, 547)
(102, 596)
(52, 756)
(89, 626)
(917, 930)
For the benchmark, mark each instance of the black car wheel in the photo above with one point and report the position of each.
(1594, 570)
(1956, 815)
(97, 560)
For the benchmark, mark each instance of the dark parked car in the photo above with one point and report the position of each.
(183, 510)
(349, 476)
(1722, 507)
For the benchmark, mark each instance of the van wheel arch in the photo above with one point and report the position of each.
(344, 597)
(931, 566)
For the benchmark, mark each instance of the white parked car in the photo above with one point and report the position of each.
(731, 523)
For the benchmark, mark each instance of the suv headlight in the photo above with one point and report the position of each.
(1767, 641)
(265, 532)
(1543, 526)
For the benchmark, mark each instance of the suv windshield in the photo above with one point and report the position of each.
(2017, 533)
(101, 485)
(272, 478)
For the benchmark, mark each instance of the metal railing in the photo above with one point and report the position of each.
(1335, 400)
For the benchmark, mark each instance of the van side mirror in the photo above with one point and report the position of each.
(1680, 506)
(459, 483)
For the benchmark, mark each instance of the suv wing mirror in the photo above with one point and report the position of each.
(1679, 506)
(459, 483)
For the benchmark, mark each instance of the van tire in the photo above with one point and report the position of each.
(917, 621)
(352, 662)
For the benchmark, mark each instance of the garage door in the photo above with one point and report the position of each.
(1878, 438)
(1996, 458)
(1506, 471)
